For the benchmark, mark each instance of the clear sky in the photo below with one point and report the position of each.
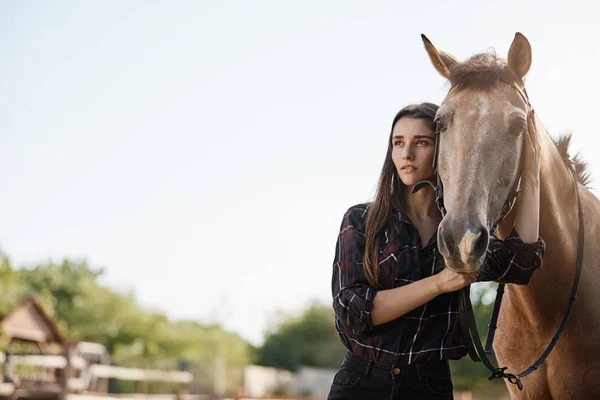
(204, 153)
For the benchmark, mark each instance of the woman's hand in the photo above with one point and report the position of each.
(450, 281)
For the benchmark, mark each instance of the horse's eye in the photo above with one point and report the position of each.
(440, 125)
(516, 125)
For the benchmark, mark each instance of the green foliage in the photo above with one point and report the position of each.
(83, 309)
(309, 339)
(13, 289)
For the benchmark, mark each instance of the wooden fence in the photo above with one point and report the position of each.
(62, 378)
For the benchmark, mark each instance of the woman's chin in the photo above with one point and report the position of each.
(411, 180)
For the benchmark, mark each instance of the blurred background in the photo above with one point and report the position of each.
(175, 174)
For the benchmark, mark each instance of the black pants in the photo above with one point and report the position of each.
(359, 378)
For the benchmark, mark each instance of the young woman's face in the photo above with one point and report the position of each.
(413, 144)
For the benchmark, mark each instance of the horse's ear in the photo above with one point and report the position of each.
(442, 61)
(519, 55)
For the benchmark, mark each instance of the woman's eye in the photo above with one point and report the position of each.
(421, 142)
(397, 143)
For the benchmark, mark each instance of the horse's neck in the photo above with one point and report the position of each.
(558, 228)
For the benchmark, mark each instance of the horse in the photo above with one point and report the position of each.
(479, 158)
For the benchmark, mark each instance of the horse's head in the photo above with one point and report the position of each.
(481, 122)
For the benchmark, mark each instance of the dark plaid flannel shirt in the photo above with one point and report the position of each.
(430, 332)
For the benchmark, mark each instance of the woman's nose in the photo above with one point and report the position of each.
(407, 154)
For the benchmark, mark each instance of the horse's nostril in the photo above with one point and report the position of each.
(461, 244)
(481, 243)
(473, 244)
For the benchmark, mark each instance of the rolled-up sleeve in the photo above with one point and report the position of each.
(352, 294)
(511, 260)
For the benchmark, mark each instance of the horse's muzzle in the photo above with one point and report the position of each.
(463, 246)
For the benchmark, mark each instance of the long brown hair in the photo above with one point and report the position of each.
(388, 199)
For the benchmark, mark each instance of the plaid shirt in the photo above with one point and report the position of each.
(431, 331)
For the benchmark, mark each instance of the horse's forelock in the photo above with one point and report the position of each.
(481, 71)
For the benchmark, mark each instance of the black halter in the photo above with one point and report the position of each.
(466, 316)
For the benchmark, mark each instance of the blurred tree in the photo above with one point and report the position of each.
(12, 287)
(84, 309)
(309, 339)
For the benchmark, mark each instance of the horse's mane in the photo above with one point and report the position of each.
(580, 166)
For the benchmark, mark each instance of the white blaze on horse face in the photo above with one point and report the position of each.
(484, 104)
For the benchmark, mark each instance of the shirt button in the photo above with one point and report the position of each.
(396, 371)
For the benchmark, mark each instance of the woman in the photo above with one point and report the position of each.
(396, 309)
